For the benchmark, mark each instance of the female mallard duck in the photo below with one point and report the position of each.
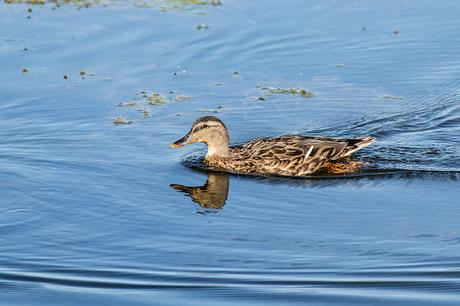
(288, 155)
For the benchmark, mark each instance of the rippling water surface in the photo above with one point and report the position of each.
(100, 214)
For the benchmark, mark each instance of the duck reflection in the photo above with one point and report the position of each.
(211, 195)
(214, 193)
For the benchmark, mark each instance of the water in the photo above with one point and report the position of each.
(89, 211)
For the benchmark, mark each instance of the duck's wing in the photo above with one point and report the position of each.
(352, 144)
(357, 144)
(291, 146)
(292, 154)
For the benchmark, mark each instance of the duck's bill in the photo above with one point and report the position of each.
(181, 142)
(182, 188)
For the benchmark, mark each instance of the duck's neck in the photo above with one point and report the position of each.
(218, 147)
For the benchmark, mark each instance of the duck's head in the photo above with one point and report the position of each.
(210, 130)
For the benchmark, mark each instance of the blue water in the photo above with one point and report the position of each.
(87, 211)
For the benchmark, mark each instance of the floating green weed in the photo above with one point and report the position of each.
(294, 91)
(121, 121)
(130, 103)
(155, 99)
(145, 102)
(142, 3)
(392, 97)
(182, 97)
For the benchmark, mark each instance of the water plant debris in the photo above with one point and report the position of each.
(121, 121)
(182, 97)
(202, 26)
(392, 97)
(164, 4)
(130, 103)
(294, 91)
(155, 99)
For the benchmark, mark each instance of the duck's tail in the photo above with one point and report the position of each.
(356, 144)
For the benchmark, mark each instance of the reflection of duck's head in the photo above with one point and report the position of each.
(212, 195)
(209, 130)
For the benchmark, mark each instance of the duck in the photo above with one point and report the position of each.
(286, 155)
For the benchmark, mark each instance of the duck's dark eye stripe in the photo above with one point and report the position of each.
(198, 128)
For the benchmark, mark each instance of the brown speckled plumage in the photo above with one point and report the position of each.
(288, 155)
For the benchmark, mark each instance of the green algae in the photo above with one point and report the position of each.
(182, 97)
(145, 102)
(121, 121)
(165, 4)
(392, 97)
(155, 99)
(130, 103)
(293, 91)
(25, 1)
(269, 90)
(145, 98)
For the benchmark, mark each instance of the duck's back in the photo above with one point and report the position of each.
(291, 155)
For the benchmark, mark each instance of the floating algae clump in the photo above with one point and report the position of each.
(146, 99)
(141, 3)
(83, 3)
(155, 99)
(294, 91)
(130, 103)
(146, 102)
(392, 97)
(121, 121)
(182, 97)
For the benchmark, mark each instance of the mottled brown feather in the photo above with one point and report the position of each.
(291, 155)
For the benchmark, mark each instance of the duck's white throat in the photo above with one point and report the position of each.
(218, 146)
(217, 151)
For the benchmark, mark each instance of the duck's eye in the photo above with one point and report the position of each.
(200, 127)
